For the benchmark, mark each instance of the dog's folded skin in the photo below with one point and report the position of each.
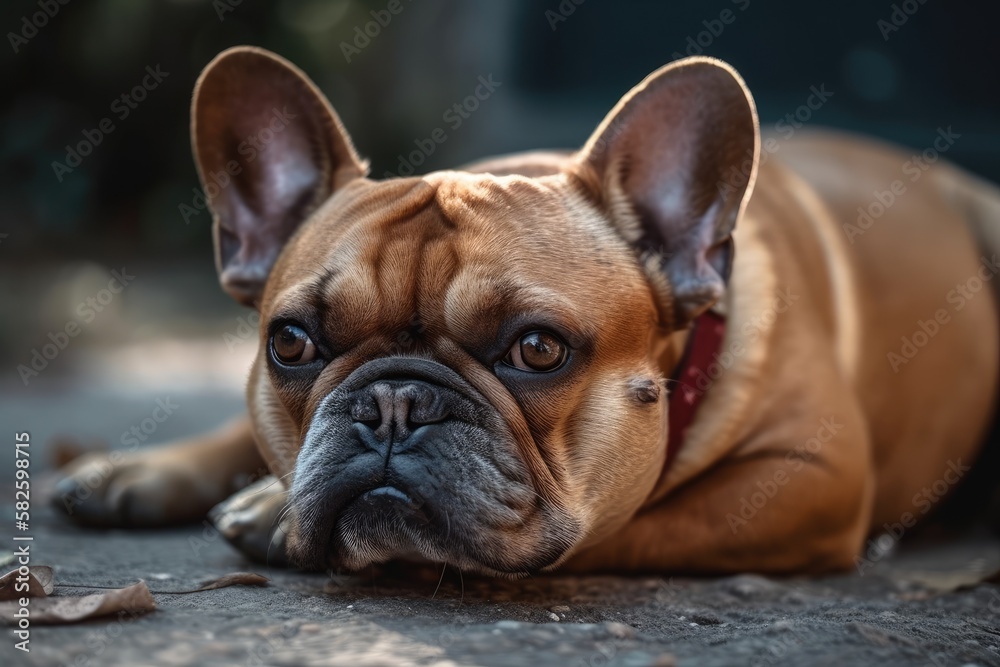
(469, 367)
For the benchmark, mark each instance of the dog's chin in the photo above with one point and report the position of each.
(379, 526)
(361, 539)
(366, 534)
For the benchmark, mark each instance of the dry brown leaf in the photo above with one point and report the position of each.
(40, 583)
(955, 581)
(992, 579)
(941, 581)
(915, 596)
(60, 610)
(232, 579)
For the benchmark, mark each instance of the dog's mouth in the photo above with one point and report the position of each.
(377, 525)
(384, 505)
(392, 520)
(405, 461)
(394, 497)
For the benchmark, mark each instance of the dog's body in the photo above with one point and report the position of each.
(381, 387)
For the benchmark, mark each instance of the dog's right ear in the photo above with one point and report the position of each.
(269, 150)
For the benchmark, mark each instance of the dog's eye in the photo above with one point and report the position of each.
(292, 346)
(538, 351)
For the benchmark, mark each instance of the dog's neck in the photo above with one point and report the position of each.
(689, 354)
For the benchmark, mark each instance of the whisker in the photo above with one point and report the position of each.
(440, 579)
(276, 524)
(265, 488)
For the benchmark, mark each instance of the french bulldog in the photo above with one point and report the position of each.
(481, 367)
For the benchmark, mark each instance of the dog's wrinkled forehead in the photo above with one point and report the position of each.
(458, 252)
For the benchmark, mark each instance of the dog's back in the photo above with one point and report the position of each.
(923, 238)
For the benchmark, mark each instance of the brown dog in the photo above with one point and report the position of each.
(470, 366)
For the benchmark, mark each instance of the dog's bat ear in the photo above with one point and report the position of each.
(673, 165)
(269, 150)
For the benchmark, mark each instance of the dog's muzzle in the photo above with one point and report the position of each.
(391, 417)
(406, 459)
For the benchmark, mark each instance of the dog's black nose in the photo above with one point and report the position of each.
(393, 409)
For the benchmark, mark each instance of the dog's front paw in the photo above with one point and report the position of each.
(250, 522)
(132, 490)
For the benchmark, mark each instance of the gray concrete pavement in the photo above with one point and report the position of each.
(889, 616)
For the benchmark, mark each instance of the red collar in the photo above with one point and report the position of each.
(697, 371)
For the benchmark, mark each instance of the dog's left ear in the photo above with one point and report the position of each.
(269, 150)
(673, 165)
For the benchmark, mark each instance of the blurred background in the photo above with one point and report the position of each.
(78, 201)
